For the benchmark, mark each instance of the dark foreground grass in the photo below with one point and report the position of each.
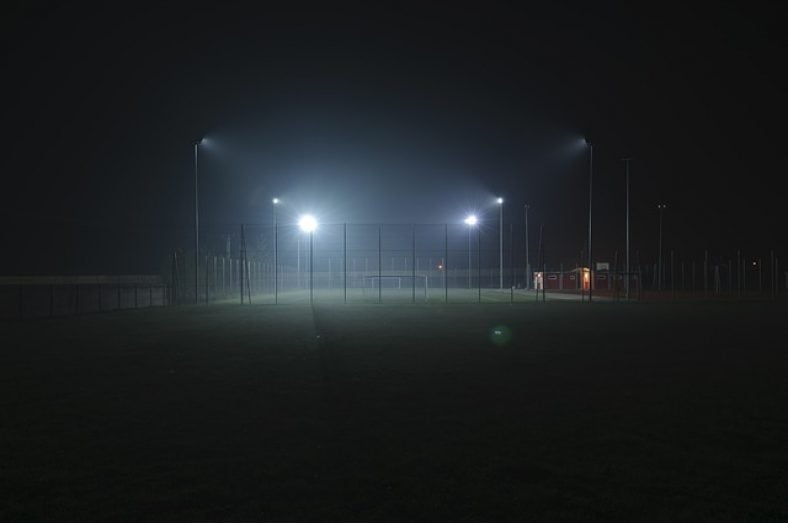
(604, 412)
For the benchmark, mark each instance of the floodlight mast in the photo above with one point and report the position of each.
(275, 202)
(500, 240)
(196, 145)
(590, 216)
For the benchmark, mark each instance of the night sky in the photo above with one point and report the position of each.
(399, 114)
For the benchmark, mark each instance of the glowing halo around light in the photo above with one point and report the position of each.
(307, 223)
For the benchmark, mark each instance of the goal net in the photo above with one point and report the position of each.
(411, 286)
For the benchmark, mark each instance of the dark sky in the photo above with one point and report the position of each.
(398, 114)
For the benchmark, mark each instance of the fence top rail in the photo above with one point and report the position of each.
(128, 279)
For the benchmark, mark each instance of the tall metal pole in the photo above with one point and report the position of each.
(446, 263)
(380, 266)
(527, 256)
(413, 264)
(311, 267)
(626, 287)
(276, 256)
(500, 242)
(344, 263)
(590, 215)
(469, 257)
(479, 260)
(196, 230)
(298, 262)
(511, 262)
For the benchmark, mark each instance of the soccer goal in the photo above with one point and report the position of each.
(401, 286)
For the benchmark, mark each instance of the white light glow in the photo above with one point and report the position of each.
(307, 223)
(275, 200)
(471, 220)
(499, 200)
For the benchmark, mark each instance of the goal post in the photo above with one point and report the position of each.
(405, 284)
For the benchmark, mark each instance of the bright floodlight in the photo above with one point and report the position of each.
(307, 223)
(275, 200)
(499, 200)
(471, 220)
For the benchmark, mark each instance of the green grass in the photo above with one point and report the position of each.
(398, 412)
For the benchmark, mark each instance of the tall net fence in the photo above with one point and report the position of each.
(358, 263)
(61, 270)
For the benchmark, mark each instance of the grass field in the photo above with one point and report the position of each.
(398, 412)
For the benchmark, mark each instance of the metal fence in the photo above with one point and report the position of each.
(357, 263)
(40, 297)
(439, 263)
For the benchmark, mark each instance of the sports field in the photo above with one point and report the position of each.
(398, 412)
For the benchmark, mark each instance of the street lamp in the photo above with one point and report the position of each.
(471, 221)
(196, 144)
(274, 203)
(590, 215)
(499, 201)
(661, 207)
(308, 223)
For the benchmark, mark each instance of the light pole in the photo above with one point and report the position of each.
(590, 215)
(626, 284)
(308, 223)
(661, 207)
(274, 203)
(196, 145)
(471, 220)
(527, 257)
(500, 241)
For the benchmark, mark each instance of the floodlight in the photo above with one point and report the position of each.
(275, 201)
(499, 200)
(471, 220)
(307, 223)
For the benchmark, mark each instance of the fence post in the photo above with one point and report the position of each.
(479, 260)
(446, 263)
(380, 265)
(694, 287)
(774, 273)
(413, 263)
(705, 274)
(760, 276)
(730, 276)
(172, 275)
(241, 264)
(511, 263)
